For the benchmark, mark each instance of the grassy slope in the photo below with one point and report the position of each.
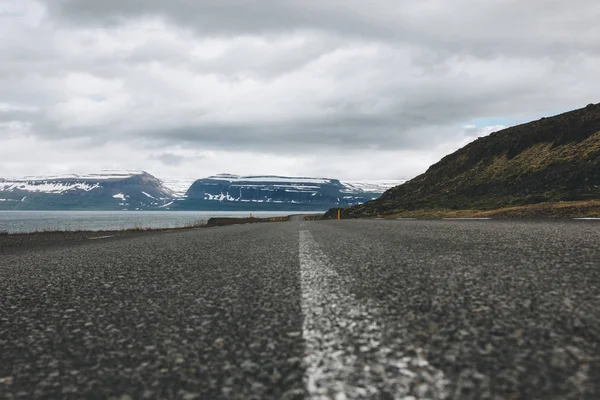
(566, 209)
(554, 159)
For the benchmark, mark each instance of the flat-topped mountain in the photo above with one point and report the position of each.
(108, 190)
(549, 160)
(232, 192)
(138, 190)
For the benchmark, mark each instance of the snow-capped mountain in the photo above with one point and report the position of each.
(107, 190)
(233, 192)
(138, 190)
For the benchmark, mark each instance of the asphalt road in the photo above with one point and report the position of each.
(401, 309)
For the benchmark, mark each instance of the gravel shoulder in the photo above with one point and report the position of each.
(24, 242)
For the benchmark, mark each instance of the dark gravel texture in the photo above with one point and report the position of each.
(206, 313)
(505, 309)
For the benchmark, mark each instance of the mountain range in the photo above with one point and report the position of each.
(232, 192)
(552, 161)
(139, 190)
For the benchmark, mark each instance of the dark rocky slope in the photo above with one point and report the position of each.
(549, 160)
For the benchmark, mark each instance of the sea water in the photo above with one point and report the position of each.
(33, 221)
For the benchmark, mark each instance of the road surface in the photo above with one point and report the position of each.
(400, 309)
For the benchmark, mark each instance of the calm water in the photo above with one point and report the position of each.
(31, 221)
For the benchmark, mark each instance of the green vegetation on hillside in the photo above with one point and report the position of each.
(553, 159)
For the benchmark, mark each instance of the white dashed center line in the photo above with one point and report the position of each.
(345, 357)
(101, 237)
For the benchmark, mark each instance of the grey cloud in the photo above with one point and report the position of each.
(481, 27)
(292, 77)
(230, 17)
(172, 159)
(14, 115)
(169, 158)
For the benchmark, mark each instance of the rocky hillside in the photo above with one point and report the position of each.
(227, 192)
(549, 160)
(109, 190)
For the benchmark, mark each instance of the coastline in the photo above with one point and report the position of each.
(14, 242)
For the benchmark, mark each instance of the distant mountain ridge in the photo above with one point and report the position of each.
(109, 190)
(271, 192)
(549, 160)
(139, 190)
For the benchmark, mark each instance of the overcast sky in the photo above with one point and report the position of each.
(348, 89)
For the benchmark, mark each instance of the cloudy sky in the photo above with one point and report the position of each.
(350, 89)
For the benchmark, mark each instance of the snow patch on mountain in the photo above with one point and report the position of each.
(100, 176)
(376, 186)
(302, 183)
(220, 197)
(268, 179)
(178, 185)
(44, 186)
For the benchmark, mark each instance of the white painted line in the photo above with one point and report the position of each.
(405, 218)
(588, 218)
(101, 237)
(335, 322)
(467, 218)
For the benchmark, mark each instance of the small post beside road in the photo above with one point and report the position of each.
(339, 214)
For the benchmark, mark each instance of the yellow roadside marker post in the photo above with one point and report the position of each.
(339, 214)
